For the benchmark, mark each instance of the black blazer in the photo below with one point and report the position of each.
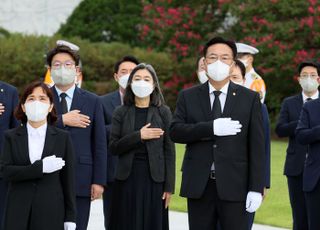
(286, 126)
(161, 152)
(41, 201)
(109, 103)
(308, 133)
(239, 160)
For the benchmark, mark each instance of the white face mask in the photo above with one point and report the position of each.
(218, 71)
(238, 82)
(123, 81)
(141, 88)
(63, 76)
(36, 110)
(309, 84)
(202, 76)
(244, 62)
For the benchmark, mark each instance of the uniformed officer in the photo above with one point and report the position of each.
(253, 80)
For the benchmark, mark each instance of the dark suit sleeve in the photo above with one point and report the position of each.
(122, 144)
(285, 127)
(68, 182)
(12, 172)
(13, 121)
(183, 132)
(266, 126)
(99, 146)
(169, 154)
(305, 134)
(257, 161)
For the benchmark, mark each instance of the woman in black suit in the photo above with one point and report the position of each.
(145, 174)
(38, 162)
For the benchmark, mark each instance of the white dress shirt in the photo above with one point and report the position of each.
(222, 98)
(36, 139)
(69, 96)
(314, 96)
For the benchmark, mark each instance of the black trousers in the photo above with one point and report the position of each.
(3, 195)
(83, 212)
(313, 207)
(107, 204)
(298, 203)
(204, 213)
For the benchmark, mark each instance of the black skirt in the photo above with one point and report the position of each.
(137, 202)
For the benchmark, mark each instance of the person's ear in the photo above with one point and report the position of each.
(116, 77)
(50, 108)
(23, 108)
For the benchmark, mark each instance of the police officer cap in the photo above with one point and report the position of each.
(244, 48)
(68, 44)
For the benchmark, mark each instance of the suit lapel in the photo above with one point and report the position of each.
(49, 142)
(131, 116)
(204, 100)
(56, 100)
(299, 103)
(78, 99)
(150, 113)
(22, 143)
(231, 99)
(116, 100)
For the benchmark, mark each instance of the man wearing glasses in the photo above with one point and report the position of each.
(224, 162)
(80, 112)
(296, 152)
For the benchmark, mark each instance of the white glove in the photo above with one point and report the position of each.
(52, 163)
(226, 127)
(254, 200)
(69, 226)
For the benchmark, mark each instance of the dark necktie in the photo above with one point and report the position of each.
(63, 103)
(309, 99)
(216, 107)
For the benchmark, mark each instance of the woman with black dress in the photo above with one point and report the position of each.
(145, 174)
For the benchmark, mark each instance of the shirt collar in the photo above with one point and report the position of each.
(40, 131)
(69, 92)
(223, 90)
(314, 96)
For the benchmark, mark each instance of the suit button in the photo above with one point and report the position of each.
(215, 146)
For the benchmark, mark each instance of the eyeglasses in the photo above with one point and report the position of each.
(313, 75)
(67, 64)
(224, 58)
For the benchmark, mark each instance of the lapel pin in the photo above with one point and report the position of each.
(234, 94)
(1, 90)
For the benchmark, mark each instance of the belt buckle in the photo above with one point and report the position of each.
(212, 175)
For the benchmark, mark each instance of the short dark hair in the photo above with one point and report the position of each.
(241, 66)
(220, 40)
(125, 59)
(62, 49)
(20, 115)
(309, 63)
(156, 97)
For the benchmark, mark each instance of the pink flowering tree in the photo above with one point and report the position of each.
(180, 28)
(285, 32)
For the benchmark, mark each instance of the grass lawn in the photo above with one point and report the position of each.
(275, 210)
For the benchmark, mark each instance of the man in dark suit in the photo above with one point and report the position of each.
(80, 112)
(110, 101)
(224, 164)
(296, 152)
(8, 102)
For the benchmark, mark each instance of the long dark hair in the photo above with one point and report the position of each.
(20, 115)
(156, 97)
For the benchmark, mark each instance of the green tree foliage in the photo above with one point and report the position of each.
(105, 20)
